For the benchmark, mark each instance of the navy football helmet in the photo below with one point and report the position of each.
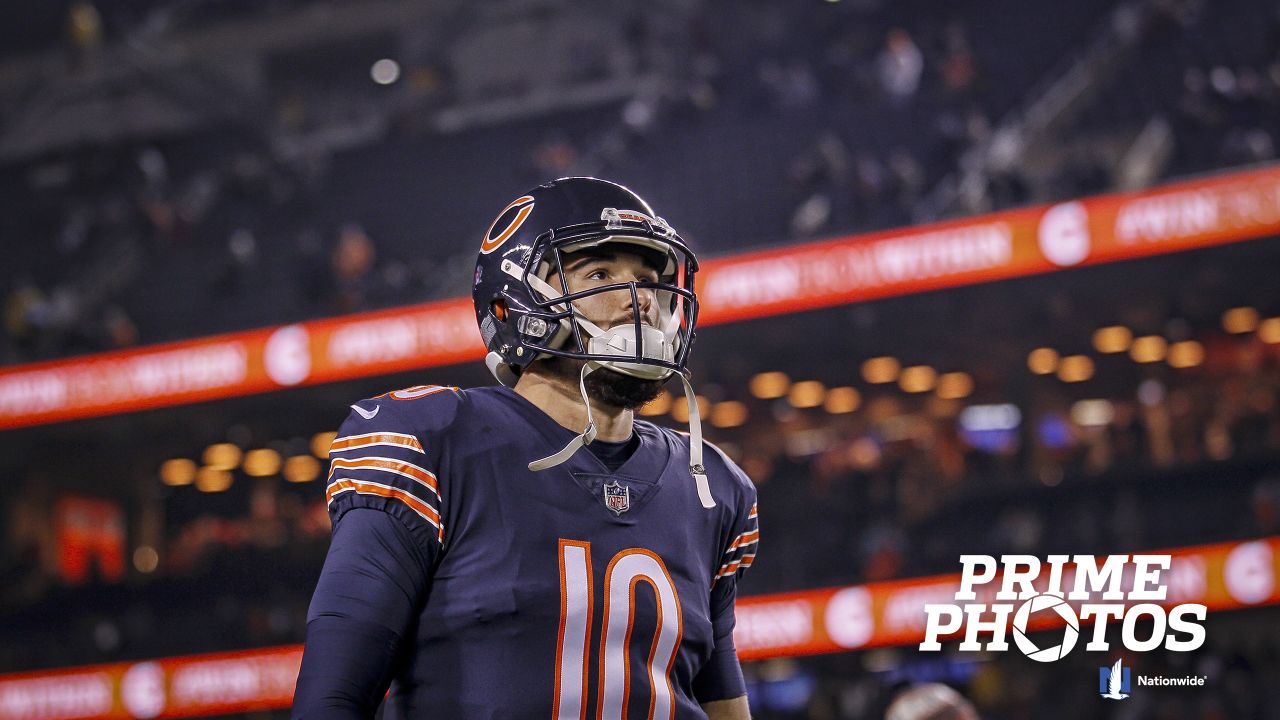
(523, 317)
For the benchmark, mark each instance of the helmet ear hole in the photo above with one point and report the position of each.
(499, 309)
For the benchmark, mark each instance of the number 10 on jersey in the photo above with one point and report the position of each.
(626, 570)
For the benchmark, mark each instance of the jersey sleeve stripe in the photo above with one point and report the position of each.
(424, 510)
(740, 564)
(389, 465)
(356, 442)
(753, 512)
(417, 391)
(746, 538)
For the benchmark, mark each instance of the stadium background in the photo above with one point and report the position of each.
(222, 222)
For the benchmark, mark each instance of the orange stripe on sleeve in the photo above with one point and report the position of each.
(355, 442)
(391, 465)
(424, 510)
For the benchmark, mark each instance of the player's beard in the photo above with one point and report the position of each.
(605, 385)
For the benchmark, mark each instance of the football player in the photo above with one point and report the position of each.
(531, 550)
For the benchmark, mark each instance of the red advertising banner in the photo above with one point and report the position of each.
(1191, 214)
(1223, 576)
(171, 688)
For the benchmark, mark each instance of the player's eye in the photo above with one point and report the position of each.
(599, 274)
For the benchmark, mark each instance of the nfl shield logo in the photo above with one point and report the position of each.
(617, 497)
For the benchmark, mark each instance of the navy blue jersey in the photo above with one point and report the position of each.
(569, 592)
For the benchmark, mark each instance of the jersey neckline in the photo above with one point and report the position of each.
(650, 460)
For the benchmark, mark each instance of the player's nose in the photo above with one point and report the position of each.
(647, 298)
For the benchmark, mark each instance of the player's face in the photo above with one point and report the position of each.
(587, 270)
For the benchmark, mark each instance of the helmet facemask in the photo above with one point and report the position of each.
(635, 348)
(550, 324)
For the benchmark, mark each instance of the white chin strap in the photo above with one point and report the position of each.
(589, 434)
(621, 340)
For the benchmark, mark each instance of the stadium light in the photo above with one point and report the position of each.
(212, 480)
(262, 462)
(320, 443)
(918, 379)
(1112, 339)
(955, 385)
(841, 400)
(146, 559)
(301, 468)
(1092, 413)
(807, 394)
(880, 370)
(1148, 349)
(1043, 361)
(178, 472)
(770, 385)
(1075, 368)
(1269, 331)
(385, 71)
(222, 456)
(1240, 320)
(660, 405)
(1185, 354)
(729, 413)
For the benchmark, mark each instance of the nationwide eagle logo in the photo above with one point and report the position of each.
(617, 497)
(1113, 682)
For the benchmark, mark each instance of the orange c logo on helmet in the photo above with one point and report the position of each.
(491, 242)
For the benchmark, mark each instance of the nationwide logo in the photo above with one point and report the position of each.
(1131, 589)
(1113, 682)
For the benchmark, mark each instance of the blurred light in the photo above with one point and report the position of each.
(1269, 330)
(1092, 413)
(178, 471)
(1148, 349)
(263, 462)
(1054, 432)
(842, 400)
(212, 479)
(223, 456)
(320, 444)
(954, 385)
(977, 418)
(385, 71)
(730, 413)
(1185, 354)
(1075, 368)
(660, 405)
(1051, 476)
(1150, 392)
(146, 559)
(879, 370)
(301, 468)
(770, 385)
(1112, 339)
(807, 394)
(917, 379)
(1240, 320)
(680, 408)
(864, 453)
(1043, 361)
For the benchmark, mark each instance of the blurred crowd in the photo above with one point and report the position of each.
(788, 122)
